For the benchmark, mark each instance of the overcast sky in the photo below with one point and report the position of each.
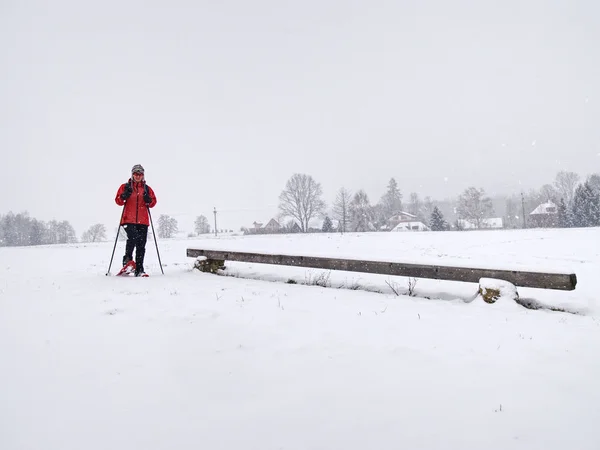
(222, 101)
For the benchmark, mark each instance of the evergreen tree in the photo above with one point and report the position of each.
(570, 221)
(437, 222)
(327, 225)
(594, 182)
(391, 201)
(564, 218)
(586, 207)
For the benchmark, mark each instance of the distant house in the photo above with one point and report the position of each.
(272, 225)
(489, 223)
(544, 215)
(293, 228)
(393, 221)
(411, 225)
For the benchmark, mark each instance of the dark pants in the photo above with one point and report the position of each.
(137, 235)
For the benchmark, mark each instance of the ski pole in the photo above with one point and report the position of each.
(116, 239)
(155, 243)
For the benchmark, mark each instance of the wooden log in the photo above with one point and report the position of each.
(541, 280)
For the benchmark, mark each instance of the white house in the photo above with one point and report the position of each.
(393, 221)
(411, 226)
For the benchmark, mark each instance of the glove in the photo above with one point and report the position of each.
(147, 198)
(127, 192)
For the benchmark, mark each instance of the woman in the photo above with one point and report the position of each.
(137, 197)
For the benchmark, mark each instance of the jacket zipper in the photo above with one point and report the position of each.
(137, 205)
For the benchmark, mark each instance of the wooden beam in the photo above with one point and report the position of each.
(541, 280)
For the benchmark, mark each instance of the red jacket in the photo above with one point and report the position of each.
(135, 209)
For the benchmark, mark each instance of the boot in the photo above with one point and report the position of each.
(139, 270)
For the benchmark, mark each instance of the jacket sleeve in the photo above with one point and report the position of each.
(152, 196)
(118, 199)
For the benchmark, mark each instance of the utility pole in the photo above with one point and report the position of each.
(215, 211)
(523, 206)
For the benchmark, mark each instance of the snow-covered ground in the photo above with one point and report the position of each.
(189, 360)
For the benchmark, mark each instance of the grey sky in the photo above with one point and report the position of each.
(222, 101)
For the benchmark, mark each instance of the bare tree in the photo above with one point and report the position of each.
(95, 233)
(9, 233)
(361, 212)
(301, 199)
(61, 232)
(417, 208)
(513, 213)
(549, 193)
(167, 226)
(427, 207)
(341, 209)
(529, 201)
(20, 229)
(379, 216)
(415, 202)
(38, 232)
(566, 183)
(201, 225)
(292, 226)
(474, 206)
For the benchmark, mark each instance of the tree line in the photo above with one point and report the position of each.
(301, 201)
(21, 229)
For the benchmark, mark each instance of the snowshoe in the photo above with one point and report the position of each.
(127, 269)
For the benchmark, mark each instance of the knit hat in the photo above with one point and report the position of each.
(137, 168)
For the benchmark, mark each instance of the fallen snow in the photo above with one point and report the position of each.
(188, 360)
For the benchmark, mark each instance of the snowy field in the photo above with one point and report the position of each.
(188, 360)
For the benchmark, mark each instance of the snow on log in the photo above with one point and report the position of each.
(205, 264)
(491, 290)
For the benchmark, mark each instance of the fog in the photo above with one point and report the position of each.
(222, 102)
